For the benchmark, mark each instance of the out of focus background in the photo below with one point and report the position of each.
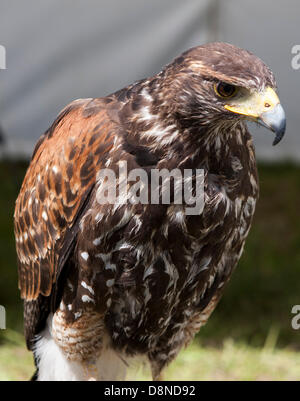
(60, 50)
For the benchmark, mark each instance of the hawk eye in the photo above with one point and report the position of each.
(225, 90)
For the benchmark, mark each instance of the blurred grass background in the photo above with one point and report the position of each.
(248, 337)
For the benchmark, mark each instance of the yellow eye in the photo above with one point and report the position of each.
(225, 90)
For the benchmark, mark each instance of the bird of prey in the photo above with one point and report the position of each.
(105, 282)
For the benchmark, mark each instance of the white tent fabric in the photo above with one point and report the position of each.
(60, 50)
(269, 29)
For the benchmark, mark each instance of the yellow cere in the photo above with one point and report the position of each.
(255, 104)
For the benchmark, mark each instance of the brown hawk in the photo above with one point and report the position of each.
(104, 282)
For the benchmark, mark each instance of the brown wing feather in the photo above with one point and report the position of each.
(55, 189)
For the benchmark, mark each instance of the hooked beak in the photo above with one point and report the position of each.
(274, 120)
(263, 107)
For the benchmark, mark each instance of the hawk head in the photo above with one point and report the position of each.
(219, 83)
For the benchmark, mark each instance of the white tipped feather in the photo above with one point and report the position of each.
(53, 365)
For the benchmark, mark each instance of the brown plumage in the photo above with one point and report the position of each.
(112, 281)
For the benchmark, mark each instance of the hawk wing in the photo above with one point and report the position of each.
(54, 194)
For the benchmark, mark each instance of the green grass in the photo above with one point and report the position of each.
(232, 361)
(256, 306)
(16, 362)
